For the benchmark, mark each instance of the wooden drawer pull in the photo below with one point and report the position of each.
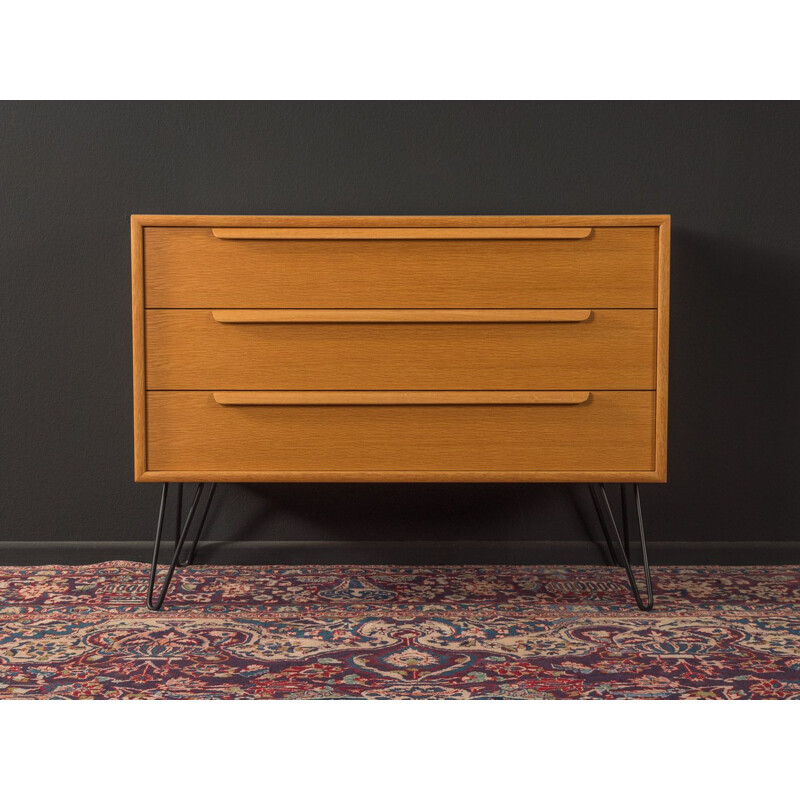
(398, 398)
(401, 233)
(270, 315)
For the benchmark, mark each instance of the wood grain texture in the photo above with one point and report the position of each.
(401, 233)
(612, 349)
(139, 376)
(362, 398)
(615, 267)
(190, 431)
(354, 315)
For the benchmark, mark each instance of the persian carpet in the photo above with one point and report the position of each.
(486, 632)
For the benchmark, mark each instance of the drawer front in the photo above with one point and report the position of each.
(611, 267)
(602, 349)
(598, 431)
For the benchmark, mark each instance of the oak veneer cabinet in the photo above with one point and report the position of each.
(400, 349)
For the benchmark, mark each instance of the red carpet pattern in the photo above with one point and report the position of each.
(487, 632)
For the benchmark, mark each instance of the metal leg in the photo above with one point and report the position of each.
(178, 511)
(190, 559)
(596, 500)
(626, 533)
(622, 549)
(181, 533)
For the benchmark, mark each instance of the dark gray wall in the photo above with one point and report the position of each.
(72, 173)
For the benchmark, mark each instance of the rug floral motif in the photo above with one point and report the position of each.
(460, 632)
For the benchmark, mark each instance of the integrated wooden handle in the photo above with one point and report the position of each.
(401, 233)
(399, 398)
(272, 315)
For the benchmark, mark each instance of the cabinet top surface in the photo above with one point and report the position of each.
(152, 220)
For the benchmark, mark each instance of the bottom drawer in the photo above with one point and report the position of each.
(191, 433)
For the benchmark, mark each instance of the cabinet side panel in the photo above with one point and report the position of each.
(662, 374)
(139, 398)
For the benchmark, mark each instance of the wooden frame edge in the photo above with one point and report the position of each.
(444, 221)
(391, 476)
(662, 345)
(139, 393)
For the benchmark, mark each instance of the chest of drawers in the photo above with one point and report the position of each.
(400, 348)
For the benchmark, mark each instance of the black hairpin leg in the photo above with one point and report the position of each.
(181, 533)
(200, 526)
(619, 546)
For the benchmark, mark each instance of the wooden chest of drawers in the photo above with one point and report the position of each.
(400, 348)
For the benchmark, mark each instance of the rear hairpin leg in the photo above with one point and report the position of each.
(181, 534)
(622, 549)
(603, 526)
(200, 526)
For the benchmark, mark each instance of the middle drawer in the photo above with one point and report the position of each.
(612, 349)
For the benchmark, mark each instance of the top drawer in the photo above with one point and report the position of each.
(590, 267)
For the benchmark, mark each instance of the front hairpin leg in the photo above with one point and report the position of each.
(182, 533)
(620, 549)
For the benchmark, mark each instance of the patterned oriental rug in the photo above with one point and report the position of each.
(487, 632)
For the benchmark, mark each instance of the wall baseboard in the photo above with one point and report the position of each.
(402, 552)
